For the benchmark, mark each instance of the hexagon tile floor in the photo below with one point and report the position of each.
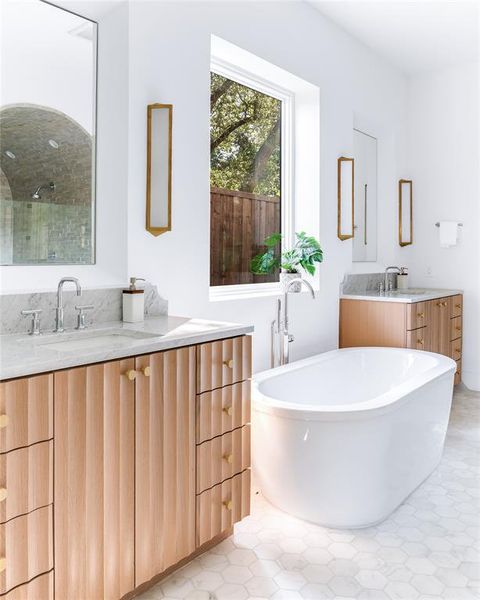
(428, 549)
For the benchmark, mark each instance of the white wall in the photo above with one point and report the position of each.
(112, 165)
(169, 62)
(443, 149)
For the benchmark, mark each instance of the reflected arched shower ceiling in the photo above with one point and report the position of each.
(48, 147)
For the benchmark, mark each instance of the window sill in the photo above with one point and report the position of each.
(245, 291)
(222, 293)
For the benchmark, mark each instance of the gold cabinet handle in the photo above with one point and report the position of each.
(228, 458)
(458, 328)
(131, 374)
(420, 315)
(228, 363)
(3, 421)
(445, 303)
(228, 410)
(3, 494)
(457, 350)
(146, 371)
(420, 342)
(457, 372)
(3, 564)
(228, 504)
(458, 306)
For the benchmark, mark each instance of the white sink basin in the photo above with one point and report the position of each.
(409, 292)
(72, 342)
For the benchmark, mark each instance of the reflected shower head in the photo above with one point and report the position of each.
(36, 194)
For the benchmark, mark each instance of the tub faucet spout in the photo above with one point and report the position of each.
(286, 336)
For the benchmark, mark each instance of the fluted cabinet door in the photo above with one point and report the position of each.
(164, 461)
(94, 482)
(26, 411)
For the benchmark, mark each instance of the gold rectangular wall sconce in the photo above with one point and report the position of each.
(346, 197)
(159, 168)
(405, 212)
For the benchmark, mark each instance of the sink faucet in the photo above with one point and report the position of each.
(287, 338)
(59, 319)
(387, 271)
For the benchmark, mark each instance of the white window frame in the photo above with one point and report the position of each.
(287, 209)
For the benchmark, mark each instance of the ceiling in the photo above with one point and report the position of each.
(414, 35)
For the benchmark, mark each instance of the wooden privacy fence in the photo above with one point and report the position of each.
(239, 224)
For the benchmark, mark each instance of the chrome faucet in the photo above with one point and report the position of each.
(59, 319)
(286, 338)
(387, 271)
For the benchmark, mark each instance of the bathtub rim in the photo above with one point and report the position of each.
(389, 400)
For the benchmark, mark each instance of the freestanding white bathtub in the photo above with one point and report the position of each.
(342, 438)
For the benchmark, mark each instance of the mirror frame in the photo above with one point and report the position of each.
(407, 183)
(340, 162)
(151, 228)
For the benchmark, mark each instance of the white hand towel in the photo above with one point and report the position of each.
(448, 233)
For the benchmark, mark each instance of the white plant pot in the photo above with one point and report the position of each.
(285, 278)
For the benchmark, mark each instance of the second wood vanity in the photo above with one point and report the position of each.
(434, 325)
(113, 474)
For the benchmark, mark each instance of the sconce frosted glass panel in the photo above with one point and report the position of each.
(345, 172)
(159, 168)
(405, 212)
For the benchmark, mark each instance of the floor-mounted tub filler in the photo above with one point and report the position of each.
(342, 438)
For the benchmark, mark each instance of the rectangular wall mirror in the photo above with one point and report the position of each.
(346, 193)
(47, 135)
(159, 168)
(365, 219)
(405, 212)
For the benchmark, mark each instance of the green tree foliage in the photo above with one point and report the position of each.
(244, 138)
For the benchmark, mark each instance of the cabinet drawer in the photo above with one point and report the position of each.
(456, 305)
(417, 315)
(456, 349)
(222, 410)
(455, 328)
(418, 339)
(26, 411)
(41, 588)
(223, 363)
(26, 480)
(458, 373)
(222, 458)
(26, 548)
(221, 506)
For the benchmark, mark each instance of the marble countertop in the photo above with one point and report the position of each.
(407, 296)
(23, 354)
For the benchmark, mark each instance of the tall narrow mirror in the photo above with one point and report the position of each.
(405, 212)
(47, 135)
(365, 238)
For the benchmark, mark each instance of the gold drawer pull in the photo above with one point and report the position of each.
(228, 363)
(457, 350)
(441, 304)
(3, 494)
(458, 306)
(420, 342)
(458, 328)
(3, 421)
(228, 458)
(131, 374)
(457, 372)
(146, 371)
(228, 504)
(420, 315)
(3, 564)
(228, 410)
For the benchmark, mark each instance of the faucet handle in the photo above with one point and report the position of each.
(34, 313)
(81, 323)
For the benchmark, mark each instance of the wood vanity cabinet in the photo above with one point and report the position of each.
(127, 468)
(432, 325)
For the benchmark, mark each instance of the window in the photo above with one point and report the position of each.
(247, 137)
